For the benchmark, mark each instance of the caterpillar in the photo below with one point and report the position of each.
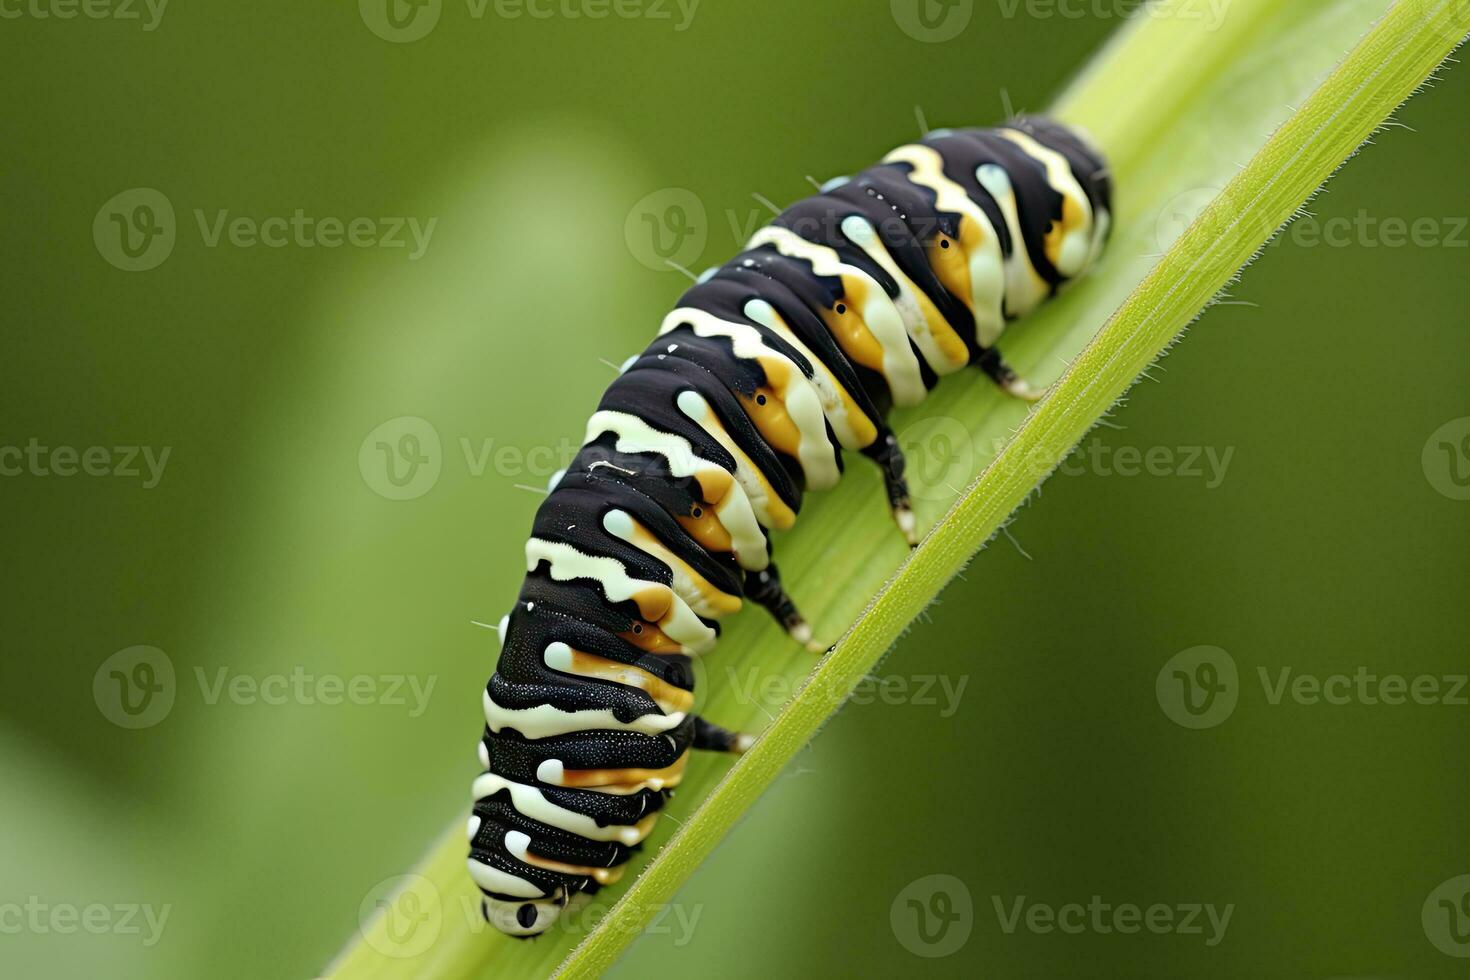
(847, 304)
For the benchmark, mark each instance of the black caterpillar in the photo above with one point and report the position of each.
(849, 303)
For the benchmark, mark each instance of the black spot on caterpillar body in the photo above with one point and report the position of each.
(849, 303)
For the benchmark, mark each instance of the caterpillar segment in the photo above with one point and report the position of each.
(848, 304)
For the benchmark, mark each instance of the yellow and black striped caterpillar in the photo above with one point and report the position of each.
(849, 303)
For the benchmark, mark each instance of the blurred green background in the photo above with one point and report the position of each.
(1033, 758)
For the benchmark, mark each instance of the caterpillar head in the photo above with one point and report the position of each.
(1088, 163)
(521, 917)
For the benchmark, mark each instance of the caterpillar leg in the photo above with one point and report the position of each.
(1003, 375)
(764, 589)
(889, 457)
(714, 738)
